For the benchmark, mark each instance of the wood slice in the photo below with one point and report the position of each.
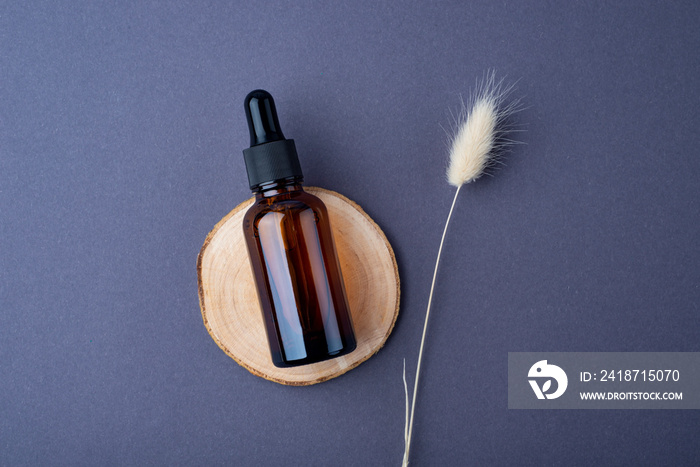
(231, 309)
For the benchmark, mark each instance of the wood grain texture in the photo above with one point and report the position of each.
(231, 309)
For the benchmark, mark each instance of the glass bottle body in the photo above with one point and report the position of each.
(297, 275)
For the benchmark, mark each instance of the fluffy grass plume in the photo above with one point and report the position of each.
(480, 131)
(479, 138)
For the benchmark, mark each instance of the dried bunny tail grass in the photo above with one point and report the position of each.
(480, 136)
(481, 129)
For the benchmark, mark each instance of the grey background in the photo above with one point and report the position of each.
(641, 378)
(121, 129)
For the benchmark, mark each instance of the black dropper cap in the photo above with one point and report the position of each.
(270, 156)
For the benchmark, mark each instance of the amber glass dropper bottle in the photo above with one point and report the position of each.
(291, 248)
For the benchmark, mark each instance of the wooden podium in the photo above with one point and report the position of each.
(231, 310)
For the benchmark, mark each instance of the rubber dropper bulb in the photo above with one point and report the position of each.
(262, 118)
